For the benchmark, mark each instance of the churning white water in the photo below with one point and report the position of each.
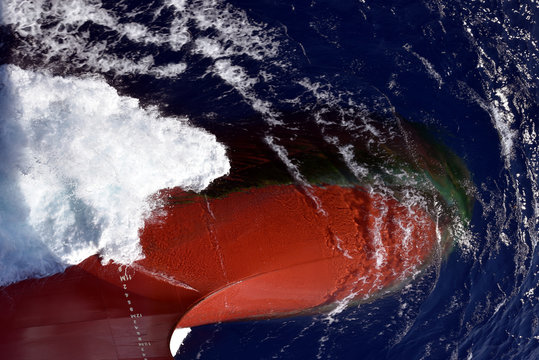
(79, 166)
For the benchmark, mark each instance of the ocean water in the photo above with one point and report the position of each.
(120, 77)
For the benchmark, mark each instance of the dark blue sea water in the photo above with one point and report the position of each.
(467, 70)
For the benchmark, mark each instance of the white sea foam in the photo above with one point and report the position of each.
(428, 66)
(237, 77)
(58, 31)
(347, 153)
(295, 173)
(234, 31)
(501, 117)
(380, 253)
(177, 338)
(67, 42)
(79, 165)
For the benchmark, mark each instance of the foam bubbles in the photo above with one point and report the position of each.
(81, 163)
(177, 338)
(89, 36)
(61, 31)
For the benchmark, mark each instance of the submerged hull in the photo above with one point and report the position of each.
(263, 252)
(268, 240)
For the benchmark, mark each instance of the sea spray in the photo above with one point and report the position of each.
(80, 164)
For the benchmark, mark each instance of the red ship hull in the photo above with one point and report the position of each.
(259, 253)
(77, 315)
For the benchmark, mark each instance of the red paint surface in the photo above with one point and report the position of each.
(269, 251)
(261, 252)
